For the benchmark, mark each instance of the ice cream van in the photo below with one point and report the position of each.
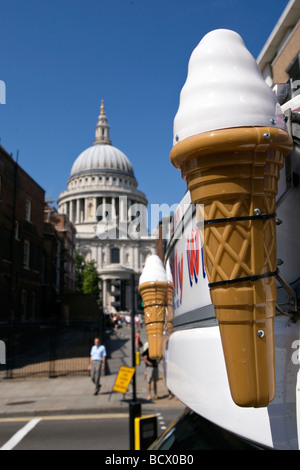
(232, 356)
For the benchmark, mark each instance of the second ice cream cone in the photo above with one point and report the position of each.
(170, 308)
(154, 295)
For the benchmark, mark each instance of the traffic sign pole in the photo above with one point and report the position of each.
(134, 406)
(133, 335)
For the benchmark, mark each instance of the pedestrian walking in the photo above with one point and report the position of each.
(97, 362)
(151, 372)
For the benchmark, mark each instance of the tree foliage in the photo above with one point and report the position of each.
(87, 279)
(91, 280)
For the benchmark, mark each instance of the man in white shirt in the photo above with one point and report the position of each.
(97, 359)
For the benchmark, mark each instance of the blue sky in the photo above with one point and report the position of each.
(59, 58)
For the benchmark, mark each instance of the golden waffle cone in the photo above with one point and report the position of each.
(233, 173)
(170, 309)
(154, 295)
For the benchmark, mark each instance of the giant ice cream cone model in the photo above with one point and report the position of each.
(153, 290)
(229, 142)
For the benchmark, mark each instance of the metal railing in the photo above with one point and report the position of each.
(47, 348)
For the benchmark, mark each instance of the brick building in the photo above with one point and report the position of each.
(279, 59)
(21, 241)
(51, 275)
(66, 233)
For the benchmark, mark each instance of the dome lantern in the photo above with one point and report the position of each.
(102, 128)
(102, 157)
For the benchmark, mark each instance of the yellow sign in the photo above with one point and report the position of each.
(123, 379)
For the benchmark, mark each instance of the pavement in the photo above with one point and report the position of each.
(75, 394)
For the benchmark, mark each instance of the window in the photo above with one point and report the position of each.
(293, 69)
(26, 254)
(17, 232)
(115, 255)
(28, 210)
(90, 210)
(193, 432)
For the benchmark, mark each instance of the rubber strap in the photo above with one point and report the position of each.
(152, 304)
(236, 219)
(253, 278)
(151, 322)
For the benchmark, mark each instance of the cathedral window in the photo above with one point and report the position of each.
(90, 210)
(115, 255)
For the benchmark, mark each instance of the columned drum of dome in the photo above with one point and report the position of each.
(102, 185)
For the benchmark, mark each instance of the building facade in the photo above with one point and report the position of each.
(51, 271)
(279, 59)
(66, 233)
(37, 248)
(110, 216)
(21, 241)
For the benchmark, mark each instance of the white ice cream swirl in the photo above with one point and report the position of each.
(224, 88)
(153, 271)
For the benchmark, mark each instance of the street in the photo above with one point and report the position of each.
(75, 432)
(63, 413)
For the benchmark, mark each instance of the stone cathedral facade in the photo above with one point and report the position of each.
(109, 214)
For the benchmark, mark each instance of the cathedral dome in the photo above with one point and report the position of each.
(102, 157)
